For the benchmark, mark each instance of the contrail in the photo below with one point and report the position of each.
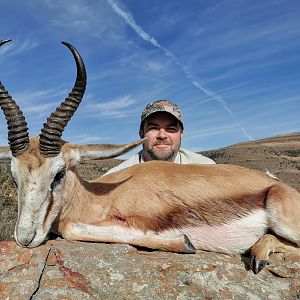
(128, 18)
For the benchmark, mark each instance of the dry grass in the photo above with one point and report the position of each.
(8, 205)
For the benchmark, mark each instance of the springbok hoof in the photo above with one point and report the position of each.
(189, 247)
(257, 265)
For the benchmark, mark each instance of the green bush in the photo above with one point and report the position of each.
(292, 153)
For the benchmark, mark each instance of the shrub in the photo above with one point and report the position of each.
(8, 204)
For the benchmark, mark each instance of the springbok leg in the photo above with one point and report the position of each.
(127, 235)
(267, 245)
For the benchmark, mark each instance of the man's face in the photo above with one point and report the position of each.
(164, 135)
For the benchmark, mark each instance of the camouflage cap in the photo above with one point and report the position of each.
(162, 106)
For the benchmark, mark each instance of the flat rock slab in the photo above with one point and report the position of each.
(61, 269)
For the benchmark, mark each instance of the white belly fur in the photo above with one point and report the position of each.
(237, 236)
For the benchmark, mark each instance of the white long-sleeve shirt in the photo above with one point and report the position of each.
(183, 157)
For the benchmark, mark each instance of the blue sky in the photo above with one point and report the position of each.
(232, 66)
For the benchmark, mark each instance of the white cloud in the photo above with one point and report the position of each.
(87, 18)
(16, 48)
(72, 24)
(119, 108)
(289, 99)
(37, 95)
(154, 66)
(210, 131)
(88, 139)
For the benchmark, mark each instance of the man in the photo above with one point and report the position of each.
(162, 124)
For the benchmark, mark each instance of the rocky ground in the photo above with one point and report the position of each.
(76, 270)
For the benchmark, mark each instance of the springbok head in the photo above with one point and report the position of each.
(40, 165)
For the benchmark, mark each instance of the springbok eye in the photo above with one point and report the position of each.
(59, 175)
(57, 179)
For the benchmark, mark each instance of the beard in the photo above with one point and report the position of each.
(156, 155)
(166, 157)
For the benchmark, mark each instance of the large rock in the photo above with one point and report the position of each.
(76, 270)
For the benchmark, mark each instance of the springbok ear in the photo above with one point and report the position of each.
(80, 153)
(5, 155)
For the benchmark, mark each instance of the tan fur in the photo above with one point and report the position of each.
(32, 159)
(165, 194)
(158, 196)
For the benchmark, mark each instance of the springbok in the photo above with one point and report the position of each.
(157, 205)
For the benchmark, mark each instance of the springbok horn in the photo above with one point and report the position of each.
(18, 136)
(50, 138)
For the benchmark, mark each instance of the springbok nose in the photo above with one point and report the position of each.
(23, 237)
